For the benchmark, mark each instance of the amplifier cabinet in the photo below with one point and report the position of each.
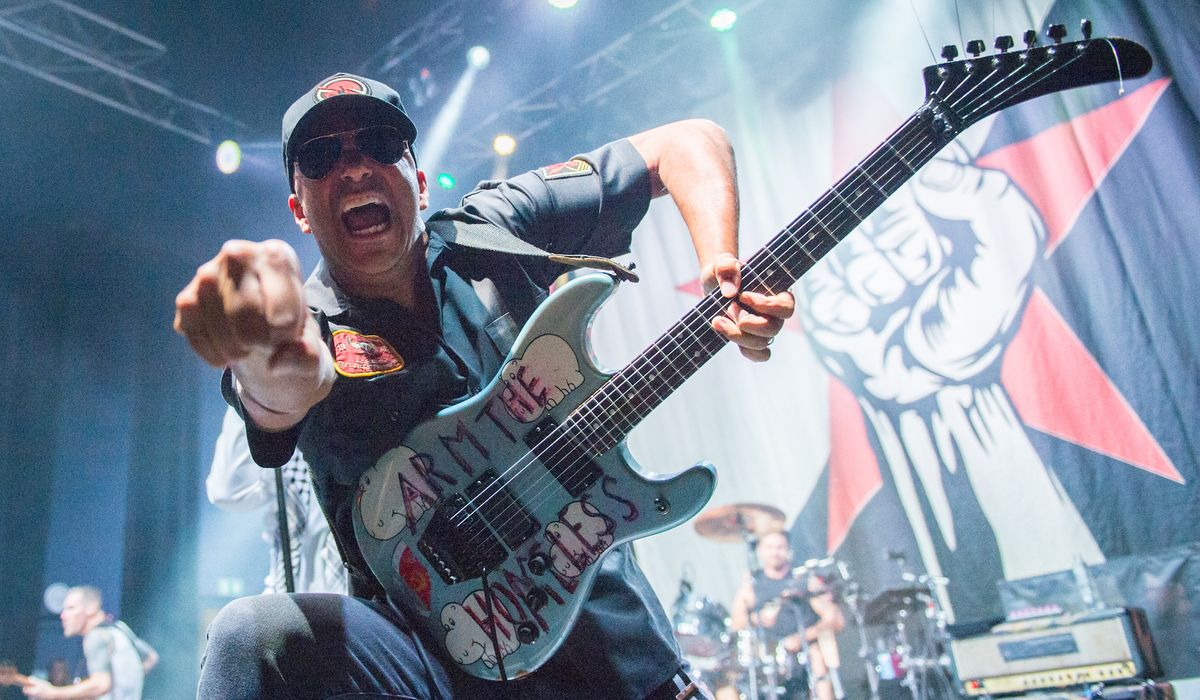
(1059, 652)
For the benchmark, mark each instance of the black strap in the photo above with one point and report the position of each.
(485, 235)
(679, 687)
(285, 540)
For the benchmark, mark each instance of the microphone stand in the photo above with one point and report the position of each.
(864, 648)
(756, 631)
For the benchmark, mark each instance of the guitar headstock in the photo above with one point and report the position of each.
(964, 91)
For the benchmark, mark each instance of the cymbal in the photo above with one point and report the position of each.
(733, 522)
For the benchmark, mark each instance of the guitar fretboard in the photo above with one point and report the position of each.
(632, 393)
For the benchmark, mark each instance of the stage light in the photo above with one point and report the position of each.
(446, 181)
(562, 4)
(723, 19)
(229, 157)
(479, 57)
(504, 144)
(54, 596)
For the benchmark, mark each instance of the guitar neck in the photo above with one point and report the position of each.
(958, 94)
(631, 394)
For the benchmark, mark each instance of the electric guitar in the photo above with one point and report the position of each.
(487, 523)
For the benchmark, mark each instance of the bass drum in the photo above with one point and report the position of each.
(702, 627)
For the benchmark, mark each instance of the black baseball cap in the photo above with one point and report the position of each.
(368, 102)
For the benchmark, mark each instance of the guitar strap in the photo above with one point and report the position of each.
(285, 540)
(484, 235)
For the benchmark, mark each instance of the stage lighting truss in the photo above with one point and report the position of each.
(438, 33)
(94, 57)
(593, 80)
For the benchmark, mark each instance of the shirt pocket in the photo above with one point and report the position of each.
(503, 333)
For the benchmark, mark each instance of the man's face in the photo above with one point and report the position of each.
(75, 613)
(774, 553)
(364, 214)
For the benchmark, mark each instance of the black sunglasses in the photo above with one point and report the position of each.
(383, 144)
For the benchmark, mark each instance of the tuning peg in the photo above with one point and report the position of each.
(1085, 28)
(1030, 38)
(1057, 32)
(1004, 43)
(976, 47)
(949, 52)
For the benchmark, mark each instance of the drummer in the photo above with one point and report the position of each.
(791, 609)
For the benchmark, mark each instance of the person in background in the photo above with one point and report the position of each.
(236, 483)
(117, 659)
(793, 609)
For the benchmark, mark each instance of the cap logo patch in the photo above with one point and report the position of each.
(572, 168)
(358, 355)
(340, 85)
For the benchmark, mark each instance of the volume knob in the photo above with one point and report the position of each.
(536, 598)
(527, 632)
(538, 563)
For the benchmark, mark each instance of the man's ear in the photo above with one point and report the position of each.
(423, 196)
(298, 214)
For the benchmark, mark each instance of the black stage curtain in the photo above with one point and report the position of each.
(58, 296)
(159, 599)
(29, 415)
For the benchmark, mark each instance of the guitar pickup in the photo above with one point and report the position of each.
(566, 459)
(458, 543)
(505, 514)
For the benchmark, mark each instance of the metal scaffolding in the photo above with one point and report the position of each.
(97, 58)
(593, 80)
(437, 33)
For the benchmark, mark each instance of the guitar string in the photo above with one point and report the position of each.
(648, 358)
(592, 408)
(719, 302)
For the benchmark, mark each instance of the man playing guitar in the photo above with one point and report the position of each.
(388, 331)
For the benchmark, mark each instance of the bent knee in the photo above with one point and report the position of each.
(249, 626)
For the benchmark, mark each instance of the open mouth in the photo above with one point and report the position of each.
(365, 215)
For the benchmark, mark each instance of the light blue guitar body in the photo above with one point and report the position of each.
(486, 524)
(543, 553)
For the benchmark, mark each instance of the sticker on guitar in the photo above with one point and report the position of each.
(414, 574)
(398, 491)
(540, 378)
(469, 629)
(577, 539)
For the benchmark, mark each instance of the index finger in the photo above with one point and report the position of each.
(282, 292)
(781, 305)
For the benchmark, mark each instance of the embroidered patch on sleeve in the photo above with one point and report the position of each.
(572, 168)
(358, 355)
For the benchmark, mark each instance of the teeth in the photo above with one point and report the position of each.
(377, 228)
(358, 200)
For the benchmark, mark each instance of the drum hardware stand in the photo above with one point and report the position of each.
(757, 631)
(864, 647)
(923, 666)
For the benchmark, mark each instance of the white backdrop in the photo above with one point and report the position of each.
(766, 426)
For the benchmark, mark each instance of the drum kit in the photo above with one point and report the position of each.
(901, 631)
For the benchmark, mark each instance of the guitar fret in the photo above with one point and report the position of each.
(494, 533)
(633, 392)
